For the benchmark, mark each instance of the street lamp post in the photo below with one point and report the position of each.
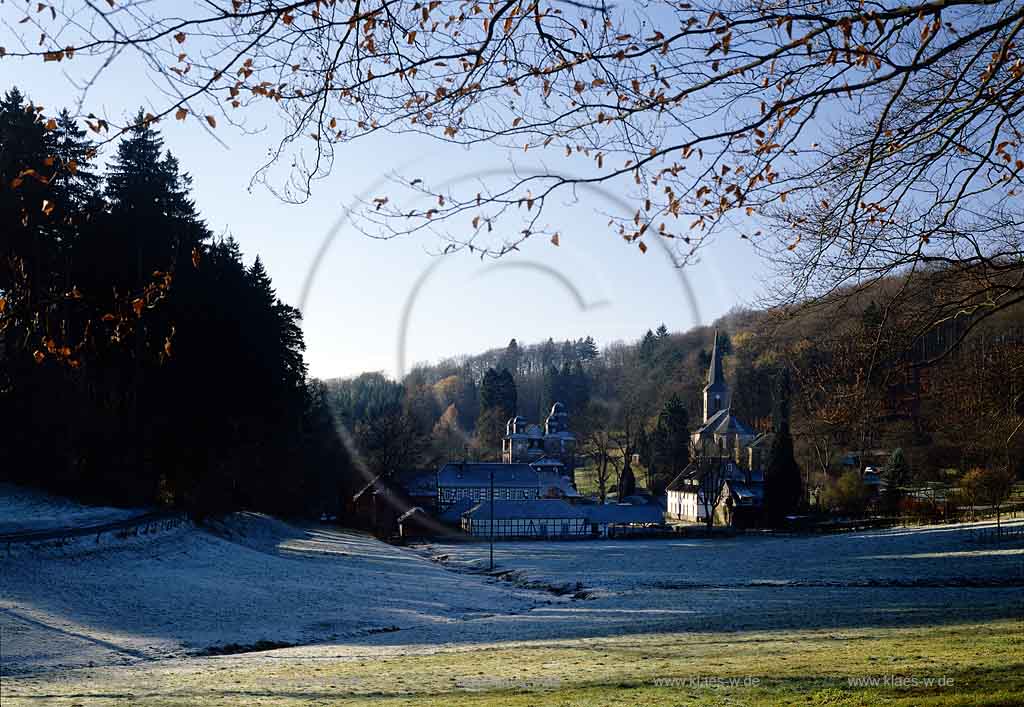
(492, 520)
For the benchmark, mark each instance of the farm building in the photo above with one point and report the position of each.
(379, 503)
(540, 518)
(556, 518)
(617, 519)
(459, 481)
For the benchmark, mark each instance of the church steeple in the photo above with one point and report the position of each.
(716, 392)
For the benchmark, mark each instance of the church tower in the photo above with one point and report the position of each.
(716, 392)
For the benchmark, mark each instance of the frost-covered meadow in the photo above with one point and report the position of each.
(23, 509)
(180, 599)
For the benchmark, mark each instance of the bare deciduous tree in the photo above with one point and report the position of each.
(850, 141)
(712, 469)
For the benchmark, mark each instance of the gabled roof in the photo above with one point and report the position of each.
(714, 421)
(417, 482)
(413, 482)
(415, 510)
(746, 494)
(557, 480)
(724, 422)
(695, 471)
(372, 486)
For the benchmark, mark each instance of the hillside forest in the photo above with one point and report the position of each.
(143, 361)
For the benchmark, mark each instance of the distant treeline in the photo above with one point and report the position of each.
(855, 384)
(141, 360)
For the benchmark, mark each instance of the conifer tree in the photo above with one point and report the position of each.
(783, 488)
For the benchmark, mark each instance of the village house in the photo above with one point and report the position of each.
(740, 493)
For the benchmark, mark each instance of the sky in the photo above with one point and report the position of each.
(376, 305)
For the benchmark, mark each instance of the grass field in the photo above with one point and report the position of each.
(586, 478)
(968, 664)
(772, 620)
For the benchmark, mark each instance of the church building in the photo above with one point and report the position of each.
(721, 432)
(727, 451)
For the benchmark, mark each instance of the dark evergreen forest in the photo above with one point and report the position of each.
(142, 361)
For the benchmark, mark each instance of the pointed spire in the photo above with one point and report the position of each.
(715, 376)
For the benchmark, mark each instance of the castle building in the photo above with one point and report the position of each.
(552, 449)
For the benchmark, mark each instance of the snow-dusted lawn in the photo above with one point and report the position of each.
(24, 509)
(190, 590)
(925, 556)
(345, 596)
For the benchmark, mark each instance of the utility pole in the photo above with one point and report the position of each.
(492, 520)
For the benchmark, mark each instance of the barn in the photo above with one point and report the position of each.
(537, 518)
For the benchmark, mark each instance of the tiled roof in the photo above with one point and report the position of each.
(626, 513)
(724, 422)
(417, 482)
(527, 510)
(478, 475)
(752, 494)
(696, 471)
(555, 479)
(548, 508)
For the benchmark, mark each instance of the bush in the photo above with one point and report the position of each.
(847, 494)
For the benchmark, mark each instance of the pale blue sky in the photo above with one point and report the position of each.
(353, 314)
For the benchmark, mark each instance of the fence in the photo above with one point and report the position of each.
(132, 527)
(995, 535)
